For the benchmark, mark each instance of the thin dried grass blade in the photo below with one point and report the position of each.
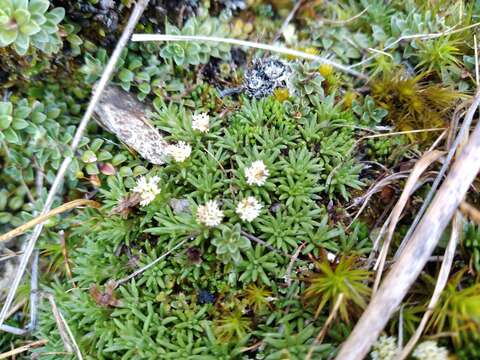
(439, 286)
(470, 212)
(420, 166)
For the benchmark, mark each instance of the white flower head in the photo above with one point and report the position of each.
(331, 256)
(429, 350)
(147, 188)
(257, 173)
(385, 348)
(179, 152)
(201, 122)
(249, 208)
(209, 214)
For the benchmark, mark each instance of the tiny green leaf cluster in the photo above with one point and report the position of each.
(27, 22)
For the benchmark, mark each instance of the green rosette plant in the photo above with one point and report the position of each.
(24, 23)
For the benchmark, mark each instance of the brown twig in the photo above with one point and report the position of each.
(325, 326)
(21, 349)
(419, 248)
(63, 244)
(42, 218)
(342, 22)
(264, 243)
(287, 20)
(69, 343)
(470, 212)
(148, 266)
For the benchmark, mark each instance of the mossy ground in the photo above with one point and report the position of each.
(259, 289)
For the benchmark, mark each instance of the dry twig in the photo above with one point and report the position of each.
(21, 349)
(325, 326)
(42, 218)
(420, 166)
(273, 48)
(68, 339)
(470, 212)
(440, 285)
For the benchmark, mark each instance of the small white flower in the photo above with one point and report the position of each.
(270, 298)
(385, 348)
(179, 152)
(201, 122)
(209, 214)
(248, 209)
(257, 173)
(147, 188)
(331, 256)
(429, 350)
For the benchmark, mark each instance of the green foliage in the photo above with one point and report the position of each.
(413, 104)
(27, 22)
(232, 326)
(194, 53)
(229, 242)
(458, 310)
(471, 243)
(289, 345)
(326, 286)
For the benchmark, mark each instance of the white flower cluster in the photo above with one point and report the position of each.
(248, 209)
(209, 214)
(147, 188)
(429, 350)
(201, 122)
(385, 348)
(179, 152)
(257, 173)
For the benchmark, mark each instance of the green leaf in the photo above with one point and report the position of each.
(20, 4)
(38, 6)
(30, 28)
(118, 159)
(21, 44)
(89, 157)
(126, 75)
(56, 15)
(92, 169)
(21, 16)
(40, 38)
(40, 19)
(6, 108)
(74, 39)
(50, 27)
(3, 17)
(21, 112)
(7, 37)
(19, 124)
(11, 136)
(144, 88)
(38, 117)
(5, 121)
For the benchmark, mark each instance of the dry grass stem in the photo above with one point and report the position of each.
(439, 286)
(420, 166)
(12, 353)
(42, 218)
(273, 48)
